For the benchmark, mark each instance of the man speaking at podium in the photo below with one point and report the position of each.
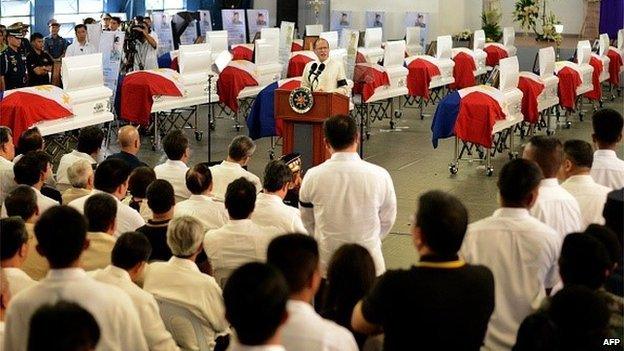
(325, 75)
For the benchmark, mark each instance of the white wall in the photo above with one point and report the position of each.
(270, 5)
(571, 13)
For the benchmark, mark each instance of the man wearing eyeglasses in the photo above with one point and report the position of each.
(81, 45)
(326, 74)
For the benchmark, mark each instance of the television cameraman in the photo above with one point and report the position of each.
(141, 48)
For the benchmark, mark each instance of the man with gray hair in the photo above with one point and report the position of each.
(180, 281)
(239, 154)
(81, 178)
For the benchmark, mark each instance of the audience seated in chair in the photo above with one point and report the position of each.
(240, 240)
(554, 205)
(296, 256)
(591, 196)
(607, 168)
(33, 169)
(88, 148)
(440, 296)
(30, 140)
(350, 276)
(160, 199)
(111, 177)
(129, 259)
(270, 209)
(201, 204)
(13, 252)
(612, 213)
(7, 153)
(63, 326)
(255, 301)
(129, 141)
(520, 250)
(62, 236)
(81, 178)
(22, 202)
(100, 210)
(178, 151)
(180, 281)
(140, 178)
(575, 319)
(240, 151)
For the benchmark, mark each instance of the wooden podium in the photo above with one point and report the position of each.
(325, 106)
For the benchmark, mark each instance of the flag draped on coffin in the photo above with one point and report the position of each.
(167, 60)
(596, 93)
(23, 108)
(495, 52)
(139, 88)
(234, 78)
(243, 52)
(367, 77)
(261, 121)
(470, 114)
(464, 68)
(297, 62)
(569, 81)
(531, 87)
(297, 45)
(421, 69)
(615, 65)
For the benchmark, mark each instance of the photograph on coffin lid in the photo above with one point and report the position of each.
(258, 19)
(234, 23)
(420, 20)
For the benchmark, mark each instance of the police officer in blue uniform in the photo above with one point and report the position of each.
(13, 62)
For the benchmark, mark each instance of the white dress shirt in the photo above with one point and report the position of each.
(210, 213)
(157, 337)
(18, 280)
(522, 253)
(112, 309)
(557, 208)
(348, 200)
(128, 220)
(7, 178)
(236, 243)
(590, 196)
(607, 169)
(270, 210)
(77, 49)
(225, 173)
(333, 73)
(180, 281)
(236, 346)
(175, 173)
(305, 330)
(43, 203)
(146, 54)
(66, 161)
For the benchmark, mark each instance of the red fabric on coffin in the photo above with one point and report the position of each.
(463, 72)
(569, 81)
(477, 115)
(296, 64)
(530, 91)
(296, 47)
(494, 54)
(231, 81)
(596, 93)
(420, 73)
(367, 78)
(242, 52)
(137, 91)
(615, 64)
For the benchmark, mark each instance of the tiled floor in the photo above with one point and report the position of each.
(411, 160)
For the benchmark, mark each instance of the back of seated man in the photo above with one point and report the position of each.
(22, 202)
(111, 177)
(612, 213)
(63, 325)
(100, 211)
(255, 302)
(296, 256)
(129, 260)
(607, 168)
(62, 235)
(240, 240)
(88, 148)
(81, 177)
(270, 209)
(239, 154)
(13, 253)
(7, 153)
(33, 169)
(591, 196)
(180, 281)
(160, 199)
(554, 206)
(176, 146)
(201, 205)
(519, 249)
(440, 296)
(129, 141)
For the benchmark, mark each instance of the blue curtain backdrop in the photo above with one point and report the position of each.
(611, 17)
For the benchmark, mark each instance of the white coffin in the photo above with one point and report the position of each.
(372, 51)
(509, 38)
(549, 97)
(394, 52)
(512, 106)
(477, 56)
(83, 81)
(268, 68)
(412, 41)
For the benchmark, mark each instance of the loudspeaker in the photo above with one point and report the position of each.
(287, 10)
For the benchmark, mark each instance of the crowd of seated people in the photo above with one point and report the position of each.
(112, 254)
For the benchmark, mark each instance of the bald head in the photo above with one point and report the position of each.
(129, 139)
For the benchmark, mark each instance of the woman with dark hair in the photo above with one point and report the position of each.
(30, 140)
(350, 275)
(139, 180)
